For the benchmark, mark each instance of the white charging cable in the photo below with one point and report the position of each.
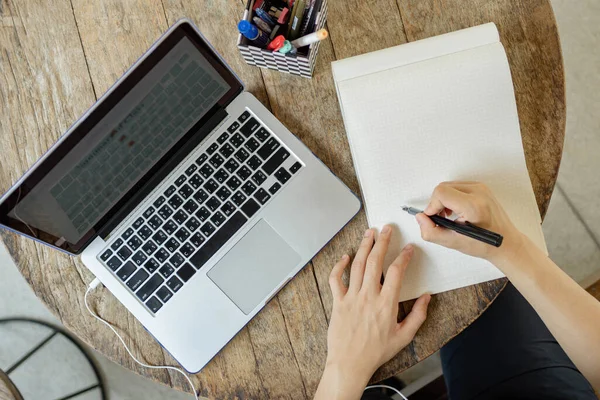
(95, 283)
(386, 387)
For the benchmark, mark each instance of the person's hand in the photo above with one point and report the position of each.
(364, 331)
(473, 202)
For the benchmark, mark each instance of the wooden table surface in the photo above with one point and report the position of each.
(58, 56)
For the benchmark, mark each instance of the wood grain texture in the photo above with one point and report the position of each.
(8, 390)
(57, 57)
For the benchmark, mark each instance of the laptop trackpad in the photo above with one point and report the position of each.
(255, 266)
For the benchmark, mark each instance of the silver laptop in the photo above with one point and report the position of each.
(184, 195)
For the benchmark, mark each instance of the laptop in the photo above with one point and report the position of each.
(184, 196)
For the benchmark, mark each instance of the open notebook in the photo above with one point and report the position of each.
(435, 110)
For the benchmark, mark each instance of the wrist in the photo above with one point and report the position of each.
(510, 252)
(342, 381)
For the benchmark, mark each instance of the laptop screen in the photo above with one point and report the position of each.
(71, 196)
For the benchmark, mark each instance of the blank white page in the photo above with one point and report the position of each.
(442, 118)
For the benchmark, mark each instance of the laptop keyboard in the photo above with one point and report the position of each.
(215, 196)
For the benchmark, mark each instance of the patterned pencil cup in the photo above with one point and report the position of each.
(302, 65)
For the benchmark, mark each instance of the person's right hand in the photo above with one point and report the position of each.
(475, 203)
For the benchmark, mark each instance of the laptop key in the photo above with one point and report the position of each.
(180, 180)
(250, 207)
(249, 127)
(106, 255)
(262, 196)
(151, 265)
(217, 219)
(275, 161)
(211, 186)
(238, 198)
(241, 155)
(166, 270)
(162, 255)
(231, 165)
(116, 244)
(170, 227)
(213, 203)
(207, 229)
(155, 221)
(233, 127)
(147, 214)
(150, 286)
(176, 260)
(172, 245)
(259, 178)
(216, 160)
(224, 136)
(126, 270)
(182, 234)
(206, 171)
(268, 148)
(154, 304)
(227, 230)
(145, 232)
(244, 173)
(138, 222)
(223, 193)
(138, 279)
(191, 169)
(254, 162)
(203, 214)
(190, 206)
(249, 188)
(149, 248)
(159, 202)
(186, 272)
(294, 168)
(164, 294)
(227, 209)
(165, 211)
(234, 183)
(170, 190)
(244, 116)
(134, 242)
(200, 160)
(273, 189)
(186, 191)
(192, 224)
(226, 150)
(180, 217)
(187, 250)
(114, 263)
(282, 175)
(252, 144)
(237, 140)
(221, 175)
(200, 196)
(262, 134)
(127, 234)
(212, 148)
(139, 258)
(195, 181)
(159, 237)
(124, 253)
(175, 202)
(174, 284)
(197, 239)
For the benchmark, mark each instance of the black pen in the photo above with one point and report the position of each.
(467, 229)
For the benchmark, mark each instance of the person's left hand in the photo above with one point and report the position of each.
(364, 331)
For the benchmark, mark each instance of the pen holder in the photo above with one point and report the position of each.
(298, 64)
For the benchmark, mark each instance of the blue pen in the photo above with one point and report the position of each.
(254, 34)
(262, 14)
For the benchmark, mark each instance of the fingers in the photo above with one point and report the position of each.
(338, 289)
(374, 266)
(436, 234)
(408, 328)
(357, 271)
(395, 274)
(445, 196)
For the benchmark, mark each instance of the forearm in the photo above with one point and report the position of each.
(569, 312)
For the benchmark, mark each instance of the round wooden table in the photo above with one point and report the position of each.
(58, 56)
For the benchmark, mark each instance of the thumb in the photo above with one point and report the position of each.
(407, 329)
(430, 232)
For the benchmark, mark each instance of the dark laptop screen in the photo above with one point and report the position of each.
(65, 206)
